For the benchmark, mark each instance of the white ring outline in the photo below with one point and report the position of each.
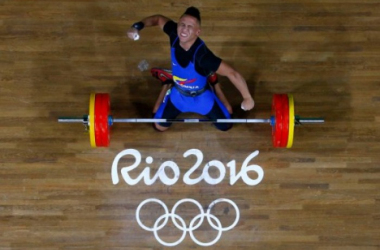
(138, 214)
(191, 228)
(166, 216)
(230, 202)
(220, 231)
(200, 209)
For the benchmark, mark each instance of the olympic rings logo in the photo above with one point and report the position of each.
(213, 221)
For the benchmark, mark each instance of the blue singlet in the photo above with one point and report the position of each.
(188, 80)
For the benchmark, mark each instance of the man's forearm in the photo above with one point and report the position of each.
(155, 20)
(239, 82)
(236, 79)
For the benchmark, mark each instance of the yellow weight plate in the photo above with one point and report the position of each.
(291, 121)
(92, 120)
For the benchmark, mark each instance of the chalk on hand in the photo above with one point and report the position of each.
(136, 37)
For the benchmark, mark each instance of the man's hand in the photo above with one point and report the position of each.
(247, 104)
(133, 34)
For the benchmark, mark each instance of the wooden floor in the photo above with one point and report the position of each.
(56, 192)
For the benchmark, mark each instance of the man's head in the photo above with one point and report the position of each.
(189, 26)
(194, 12)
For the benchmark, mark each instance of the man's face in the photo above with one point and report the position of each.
(188, 29)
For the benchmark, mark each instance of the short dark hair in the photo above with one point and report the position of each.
(194, 12)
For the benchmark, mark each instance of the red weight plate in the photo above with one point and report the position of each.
(277, 127)
(102, 107)
(273, 124)
(279, 120)
(108, 104)
(99, 120)
(106, 111)
(285, 120)
(273, 113)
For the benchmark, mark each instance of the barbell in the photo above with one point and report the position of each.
(99, 121)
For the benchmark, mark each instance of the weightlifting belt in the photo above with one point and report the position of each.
(191, 93)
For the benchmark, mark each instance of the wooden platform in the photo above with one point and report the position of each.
(56, 192)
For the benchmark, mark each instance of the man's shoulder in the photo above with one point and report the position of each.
(201, 48)
(207, 60)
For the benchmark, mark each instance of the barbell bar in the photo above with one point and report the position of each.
(98, 122)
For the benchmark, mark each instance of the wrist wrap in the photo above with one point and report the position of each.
(139, 26)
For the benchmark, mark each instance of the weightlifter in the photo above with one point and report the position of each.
(186, 87)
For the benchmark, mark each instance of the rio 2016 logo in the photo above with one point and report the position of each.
(165, 179)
